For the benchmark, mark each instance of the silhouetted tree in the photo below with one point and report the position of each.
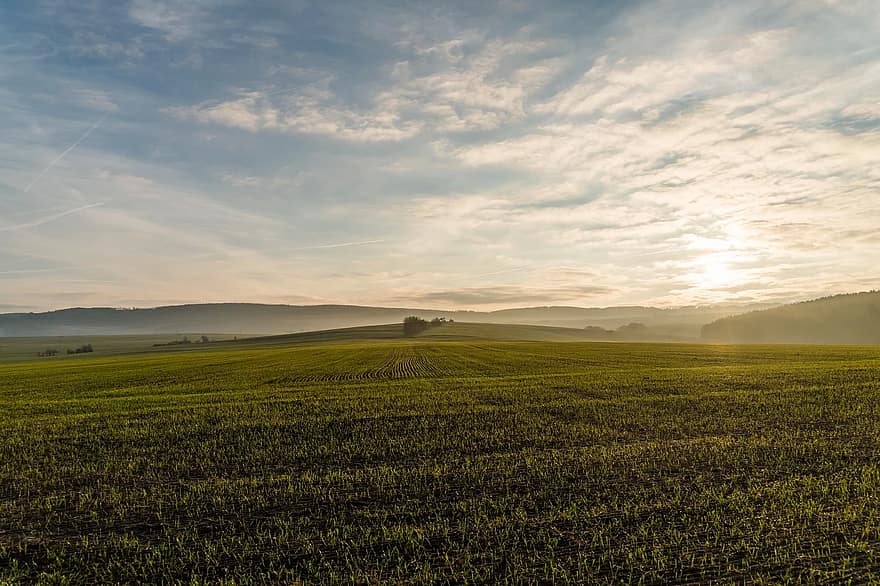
(413, 325)
(84, 349)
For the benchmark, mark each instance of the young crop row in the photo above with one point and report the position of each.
(444, 462)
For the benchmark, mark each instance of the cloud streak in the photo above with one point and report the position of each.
(29, 271)
(65, 152)
(50, 218)
(339, 245)
(506, 295)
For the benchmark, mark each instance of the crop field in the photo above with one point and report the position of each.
(18, 349)
(429, 460)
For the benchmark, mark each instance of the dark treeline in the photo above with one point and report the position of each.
(84, 349)
(841, 319)
(184, 341)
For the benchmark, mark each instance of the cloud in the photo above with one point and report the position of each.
(65, 152)
(617, 86)
(30, 271)
(174, 20)
(50, 218)
(506, 295)
(89, 43)
(339, 245)
(652, 152)
(456, 93)
(310, 112)
(95, 100)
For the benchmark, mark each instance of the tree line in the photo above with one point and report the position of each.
(84, 349)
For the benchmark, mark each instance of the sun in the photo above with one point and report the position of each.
(715, 272)
(720, 265)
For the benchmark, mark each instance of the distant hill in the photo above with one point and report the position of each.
(29, 347)
(841, 319)
(253, 318)
(458, 331)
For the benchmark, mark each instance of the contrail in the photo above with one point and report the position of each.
(29, 271)
(340, 245)
(64, 153)
(281, 91)
(51, 218)
(11, 57)
(502, 272)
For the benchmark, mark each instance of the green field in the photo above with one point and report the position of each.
(19, 349)
(457, 457)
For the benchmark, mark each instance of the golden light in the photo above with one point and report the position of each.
(720, 264)
(714, 271)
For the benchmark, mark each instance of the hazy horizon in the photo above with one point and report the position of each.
(477, 156)
(449, 309)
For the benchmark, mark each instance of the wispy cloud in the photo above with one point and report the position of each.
(30, 271)
(339, 245)
(65, 152)
(50, 218)
(505, 295)
(467, 92)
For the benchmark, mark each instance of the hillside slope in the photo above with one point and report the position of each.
(254, 318)
(29, 348)
(458, 331)
(841, 319)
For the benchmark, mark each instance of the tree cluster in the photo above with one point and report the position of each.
(185, 340)
(414, 325)
(84, 349)
(628, 331)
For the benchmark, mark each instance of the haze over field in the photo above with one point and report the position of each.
(278, 319)
(469, 155)
(842, 319)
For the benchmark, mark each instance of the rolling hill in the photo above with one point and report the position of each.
(453, 332)
(29, 348)
(252, 318)
(841, 319)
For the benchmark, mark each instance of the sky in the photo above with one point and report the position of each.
(473, 155)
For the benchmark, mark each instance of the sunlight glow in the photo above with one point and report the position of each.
(715, 272)
(721, 264)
